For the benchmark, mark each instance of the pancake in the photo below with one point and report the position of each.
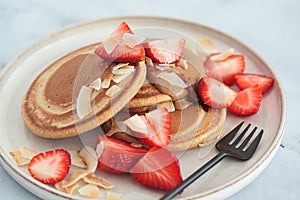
(49, 107)
(195, 126)
(147, 98)
(191, 127)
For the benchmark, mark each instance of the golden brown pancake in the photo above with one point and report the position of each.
(195, 126)
(146, 98)
(49, 106)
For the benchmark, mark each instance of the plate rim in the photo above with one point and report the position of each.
(270, 152)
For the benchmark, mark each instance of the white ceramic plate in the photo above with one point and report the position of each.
(223, 180)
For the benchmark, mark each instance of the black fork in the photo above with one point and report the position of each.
(227, 147)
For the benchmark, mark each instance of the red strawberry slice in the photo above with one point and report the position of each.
(215, 93)
(121, 29)
(159, 169)
(225, 70)
(122, 53)
(50, 167)
(244, 81)
(153, 128)
(247, 102)
(118, 156)
(165, 51)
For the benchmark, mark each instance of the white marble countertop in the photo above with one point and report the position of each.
(271, 28)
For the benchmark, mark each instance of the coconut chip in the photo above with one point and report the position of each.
(113, 196)
(23, 155)
(96, 84)
(106, 81)
(172, 78)
(222, 56)
(68, 190)
(117, 78)
(208, 45)
(168, 105)
(148, 61)
(110, 44)
(183, 63)
(119, 66)
(113, 90)
(76, 160)
(132, 40)
(89, 190)
(125, 70)
(83, 105)
(94, 180)
(75, 177)
(100, 149)
(89, 156)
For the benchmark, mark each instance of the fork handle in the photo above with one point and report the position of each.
(212, 162)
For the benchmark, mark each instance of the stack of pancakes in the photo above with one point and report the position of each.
(50, 105)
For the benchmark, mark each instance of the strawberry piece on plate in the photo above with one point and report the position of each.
(225, 70)
(153, 128)
(114, 49)
(215, 93)
(50, 167)
(247, 102)
(159, 169)
(118, 156)
(122, 53)
(121, 29)
(165, 51)
(244, 81)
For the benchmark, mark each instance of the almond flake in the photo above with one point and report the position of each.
(96, 84)
(76, 160)
(113, 90)
(183, 63)
(110, 44)
(118, 78)
(106, 81)
(94, 180)
(132, 40)
(113, 196)
(83, 105)
(172, 78)
(89, 156)
(75, 177)
(222, 56)
(89, 190)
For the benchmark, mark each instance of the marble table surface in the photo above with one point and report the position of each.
(271, 28)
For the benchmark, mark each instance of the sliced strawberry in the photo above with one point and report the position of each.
(225, 70)
(122, 53)
(118, 156)
(159, 168)
(244, 81)
(215, 93)
(121, 29)
(247, 102)
(153, 128)
(50, 167)
(165, 51)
